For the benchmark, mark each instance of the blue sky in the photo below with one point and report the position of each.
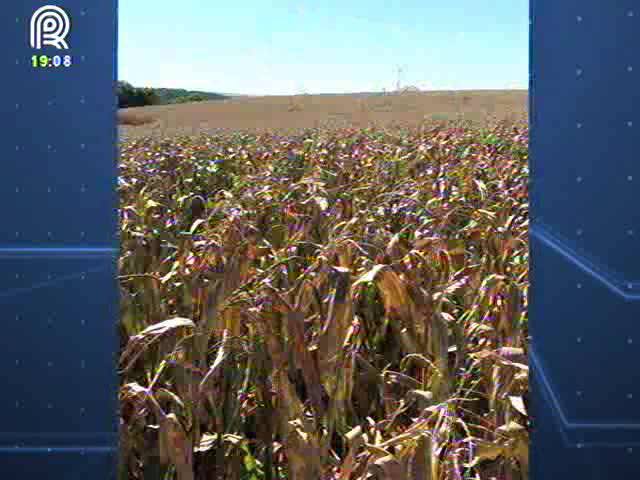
(272, 47)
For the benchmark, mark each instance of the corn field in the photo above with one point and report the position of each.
(336, 304)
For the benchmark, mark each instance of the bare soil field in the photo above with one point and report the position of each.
(292, 113)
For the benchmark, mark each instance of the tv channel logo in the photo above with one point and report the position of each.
(50, 25)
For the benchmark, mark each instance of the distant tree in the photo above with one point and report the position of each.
(150, 96)
(130, 96)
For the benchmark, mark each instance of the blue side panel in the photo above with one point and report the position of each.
(58, 240)
(585, 229)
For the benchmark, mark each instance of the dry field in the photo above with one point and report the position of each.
(341, 304)
(285, 113)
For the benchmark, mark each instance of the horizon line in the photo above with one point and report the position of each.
(408, 89)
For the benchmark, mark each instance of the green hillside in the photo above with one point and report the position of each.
(180, 95)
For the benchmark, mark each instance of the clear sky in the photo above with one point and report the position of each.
(265, 47)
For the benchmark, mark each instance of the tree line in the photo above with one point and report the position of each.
(130, 96)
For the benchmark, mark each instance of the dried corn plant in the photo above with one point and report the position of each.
(333, 305)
